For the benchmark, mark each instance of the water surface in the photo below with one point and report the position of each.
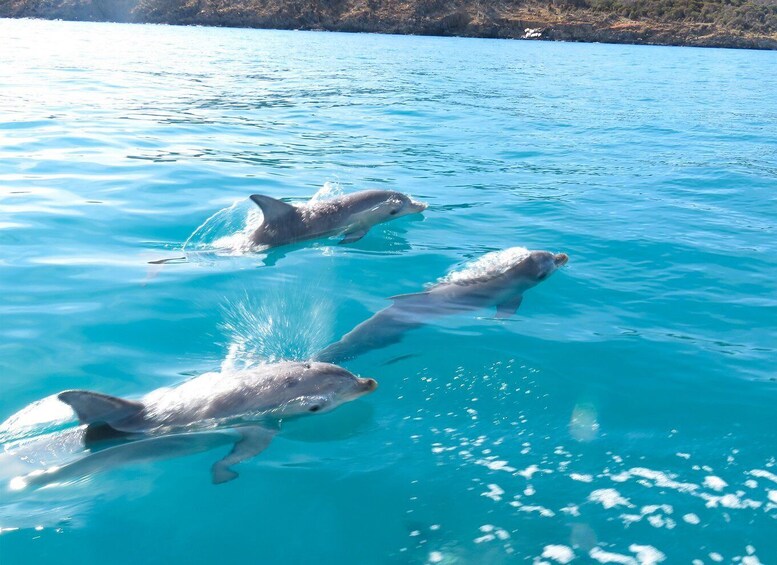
(625, 414)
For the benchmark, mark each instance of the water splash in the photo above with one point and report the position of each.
(42, 416)
(330, 189)
(281, 324)
(227, 231)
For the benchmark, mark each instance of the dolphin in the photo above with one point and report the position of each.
(243, 408)
(75, 453)
(496, 279)
(351, 215)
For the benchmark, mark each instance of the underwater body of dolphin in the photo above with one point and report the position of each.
(497, 279)
(242, 408)
(351, 215)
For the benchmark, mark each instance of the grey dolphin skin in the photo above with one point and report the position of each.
(351, 215)
(497, 279)
(89, 455)
(242, 407)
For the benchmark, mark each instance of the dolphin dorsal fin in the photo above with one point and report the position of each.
(272, 209)
(93, 407)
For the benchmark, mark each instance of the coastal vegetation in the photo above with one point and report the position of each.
(722, 23)
(757, 16)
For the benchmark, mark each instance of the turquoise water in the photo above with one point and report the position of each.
(625, 414)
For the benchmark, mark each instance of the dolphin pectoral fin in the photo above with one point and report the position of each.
(252, 442)
(507, 309)
(273, 255)
(168, 260)
(272, 209)
(221, 474)
(93, 407)
(353, 235)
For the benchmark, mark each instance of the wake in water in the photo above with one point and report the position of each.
(227, 231)
(42, 437)
(40, 417)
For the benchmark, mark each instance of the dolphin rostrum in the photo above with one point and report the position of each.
(496, 279)
(351, 215)
(242, 407)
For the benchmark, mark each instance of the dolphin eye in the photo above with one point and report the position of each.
(397, 205)
(307, 365)
(314, 408)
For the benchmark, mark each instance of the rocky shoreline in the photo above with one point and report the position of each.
(465, 18)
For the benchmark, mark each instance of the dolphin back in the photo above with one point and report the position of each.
(385, 328)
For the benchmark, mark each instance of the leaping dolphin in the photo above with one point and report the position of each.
(243, 408)
(496, 279)
(351, 215)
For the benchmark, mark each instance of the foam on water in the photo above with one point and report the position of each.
(525, 489)
(328, 191)
(40, 417)
(227, 231)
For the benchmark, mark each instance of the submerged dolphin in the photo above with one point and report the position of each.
(351, 215)
(497, 279)
(76, 453)
(243, 408)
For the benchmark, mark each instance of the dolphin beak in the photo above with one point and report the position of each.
(418, 206)
(368, 385)
(560, 259)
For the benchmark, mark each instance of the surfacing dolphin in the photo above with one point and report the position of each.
(351, 215)
(496, 279)
(242, 407)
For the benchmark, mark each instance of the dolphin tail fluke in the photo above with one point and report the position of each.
(252, 442)
(97, 408)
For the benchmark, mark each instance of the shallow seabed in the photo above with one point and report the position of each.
(625, 414)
